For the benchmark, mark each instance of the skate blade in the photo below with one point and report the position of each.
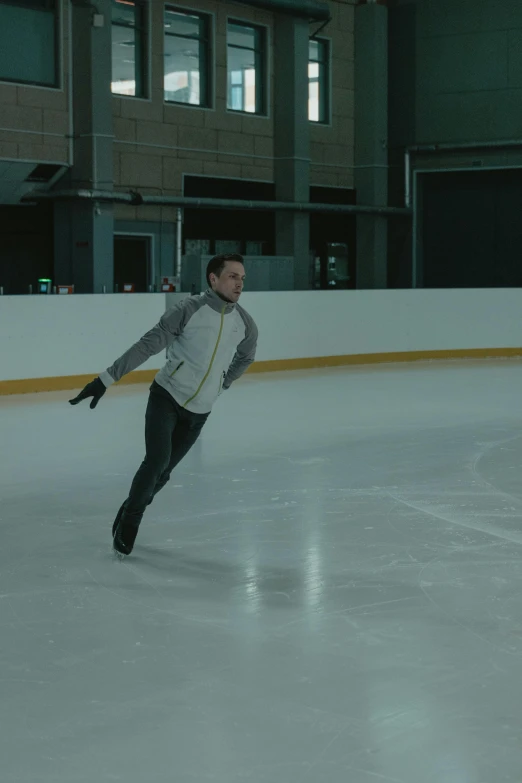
(118, 556)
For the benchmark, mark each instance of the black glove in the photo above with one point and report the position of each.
(95, 389)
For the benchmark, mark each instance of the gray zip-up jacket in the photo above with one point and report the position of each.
(210, 343)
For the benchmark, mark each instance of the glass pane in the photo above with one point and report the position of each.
(183, 70)
(123, 13)
(313, 100)
(318, 51)
(123, 61)
(318, 82)
(242, 81)
(34, 61)
(239, 35)
(177, 23)
(313, 51)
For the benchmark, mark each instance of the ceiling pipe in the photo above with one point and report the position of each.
(137, 199)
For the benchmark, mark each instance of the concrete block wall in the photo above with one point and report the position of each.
(332, 146)
(156, 142)
(34, 121)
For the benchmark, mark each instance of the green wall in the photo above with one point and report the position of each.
(455, 76)
(457, 68)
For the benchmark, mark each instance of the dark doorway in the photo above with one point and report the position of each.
(470, 229)
(132, 262)
(26, 246)
(332, 239)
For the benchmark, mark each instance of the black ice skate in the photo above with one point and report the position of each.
(117, 520)
(125, 536)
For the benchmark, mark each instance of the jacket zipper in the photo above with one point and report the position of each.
(177, 368)
(211, 360)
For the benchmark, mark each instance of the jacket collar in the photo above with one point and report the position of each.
(216, 303)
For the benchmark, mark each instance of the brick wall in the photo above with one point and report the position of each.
(156, 143)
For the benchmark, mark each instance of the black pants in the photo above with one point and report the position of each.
(170, 432)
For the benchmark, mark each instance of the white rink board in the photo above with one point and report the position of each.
(51, 336)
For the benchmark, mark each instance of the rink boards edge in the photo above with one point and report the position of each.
(72, 382)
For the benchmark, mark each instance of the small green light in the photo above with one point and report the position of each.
(44, 279)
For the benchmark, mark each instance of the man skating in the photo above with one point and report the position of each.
(210, 342)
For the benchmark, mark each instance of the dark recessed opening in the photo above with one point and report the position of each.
(44, 172)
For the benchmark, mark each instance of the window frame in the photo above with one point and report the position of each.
(58, 85)
(264, 70)
(209, 49)
(145, 53)
(327, 98)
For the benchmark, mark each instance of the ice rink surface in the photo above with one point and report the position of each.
(328, 591)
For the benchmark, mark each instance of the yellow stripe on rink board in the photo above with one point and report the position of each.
(379, 358)
(63, 383)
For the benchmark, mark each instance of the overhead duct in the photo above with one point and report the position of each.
(17, 178)
(137, 199)
(313, 10)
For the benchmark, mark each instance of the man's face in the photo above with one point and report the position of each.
(229, 284)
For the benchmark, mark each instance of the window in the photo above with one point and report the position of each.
(187, 57)
(128, 48)
(29, 48)
(318, 81)
(246, 68)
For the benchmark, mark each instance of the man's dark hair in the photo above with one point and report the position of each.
(217, 264)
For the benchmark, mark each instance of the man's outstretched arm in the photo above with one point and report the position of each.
(170, 326)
